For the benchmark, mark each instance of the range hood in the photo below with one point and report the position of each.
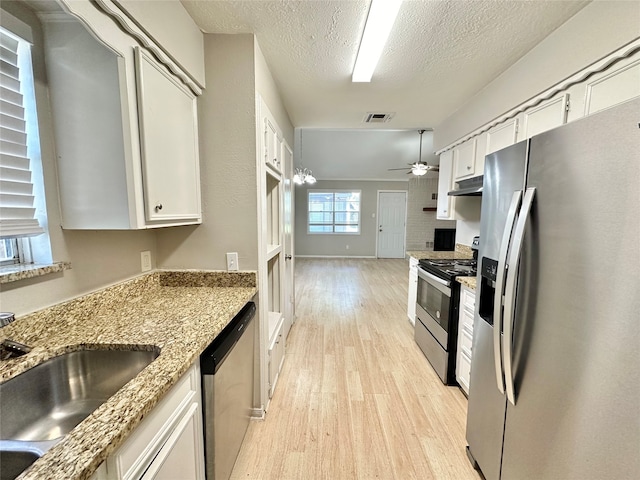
(471, 187)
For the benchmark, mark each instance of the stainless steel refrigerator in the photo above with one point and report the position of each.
(555, 375)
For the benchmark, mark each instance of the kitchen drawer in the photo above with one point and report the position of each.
(464, 372)
(466, 340)
(468, 299)
(466, 320)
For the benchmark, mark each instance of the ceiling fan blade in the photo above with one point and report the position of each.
(403, 168)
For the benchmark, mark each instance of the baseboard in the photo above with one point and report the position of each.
(336, 256)
(257, 413)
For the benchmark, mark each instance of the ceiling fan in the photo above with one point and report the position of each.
(418, 168)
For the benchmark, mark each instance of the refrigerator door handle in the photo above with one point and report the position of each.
(500, 279)
(510, 291)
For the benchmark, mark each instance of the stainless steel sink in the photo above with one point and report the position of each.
(41, 405)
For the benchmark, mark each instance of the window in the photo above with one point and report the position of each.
(20, 168)
(334, 212)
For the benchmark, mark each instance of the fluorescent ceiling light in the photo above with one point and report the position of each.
(382, 15)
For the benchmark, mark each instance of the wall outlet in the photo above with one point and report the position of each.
(232, 261)
(145, 261)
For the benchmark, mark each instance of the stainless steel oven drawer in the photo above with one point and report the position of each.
(434, 352)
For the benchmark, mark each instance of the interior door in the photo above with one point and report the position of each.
(392, 215)
(288, 284)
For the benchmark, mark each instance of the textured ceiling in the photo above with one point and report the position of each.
(439, 53)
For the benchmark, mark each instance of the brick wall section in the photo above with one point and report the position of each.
(421, 225)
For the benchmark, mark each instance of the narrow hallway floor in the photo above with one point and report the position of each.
(356, 398)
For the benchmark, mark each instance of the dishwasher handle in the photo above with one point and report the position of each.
(216, 353)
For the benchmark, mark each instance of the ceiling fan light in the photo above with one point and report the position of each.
(419, 169)
(310, 179)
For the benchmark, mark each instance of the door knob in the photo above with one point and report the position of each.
(287, 257)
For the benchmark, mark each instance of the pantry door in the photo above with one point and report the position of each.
(392, 219)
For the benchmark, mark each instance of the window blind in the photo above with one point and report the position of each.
(17, 212)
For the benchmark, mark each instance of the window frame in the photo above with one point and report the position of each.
(333, 212)
(31, 249)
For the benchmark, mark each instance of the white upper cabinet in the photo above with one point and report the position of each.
(169, 143)
(547, 115)
(502, 135)
(613, 86)
(125, 127)
(464, 159)
(445, 207)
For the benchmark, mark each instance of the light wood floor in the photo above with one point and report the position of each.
(356, 398)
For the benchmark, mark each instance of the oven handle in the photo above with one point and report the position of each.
(510, 291)
(438, 283)
(500, 281)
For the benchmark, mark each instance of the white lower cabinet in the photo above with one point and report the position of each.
(413, 289)
(465, 336)
(276, 355)
(169, 442)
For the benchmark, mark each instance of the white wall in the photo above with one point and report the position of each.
(595, 31)
(362, 245)
(98, 259)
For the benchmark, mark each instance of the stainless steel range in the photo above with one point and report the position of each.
(436, 328)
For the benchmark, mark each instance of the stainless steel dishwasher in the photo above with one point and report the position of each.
(227, 390)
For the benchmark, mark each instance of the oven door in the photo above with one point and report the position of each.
(433, 305)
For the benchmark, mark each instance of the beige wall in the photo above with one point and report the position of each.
(362, 245)
(595, 31)
(268, 90)
(226, 115)
(98, 259)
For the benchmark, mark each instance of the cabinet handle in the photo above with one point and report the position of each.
(287, 257)
(158, 207)
(468, 167)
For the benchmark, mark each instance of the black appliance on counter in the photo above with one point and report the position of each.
(444, 239)
(436, 328)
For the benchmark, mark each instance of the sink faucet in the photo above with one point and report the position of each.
(11, 349)
(6, 318)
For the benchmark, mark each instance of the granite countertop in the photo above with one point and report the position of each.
(467, 281)
(178, 312)
(461, 252)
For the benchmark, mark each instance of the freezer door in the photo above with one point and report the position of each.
(576, 357)
(504, 174)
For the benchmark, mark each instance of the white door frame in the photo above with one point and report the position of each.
(406, 205)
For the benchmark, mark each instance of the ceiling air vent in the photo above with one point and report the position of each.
(378, 117)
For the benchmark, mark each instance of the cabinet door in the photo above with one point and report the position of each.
(413, 290)
(169, 143)
(614, 86)
(541, 118)
(445, 209)
(181, 456)
(272, 143)
(502, 135)
(464, 156)
(276, 358)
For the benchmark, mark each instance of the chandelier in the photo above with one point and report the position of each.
(303, 175)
